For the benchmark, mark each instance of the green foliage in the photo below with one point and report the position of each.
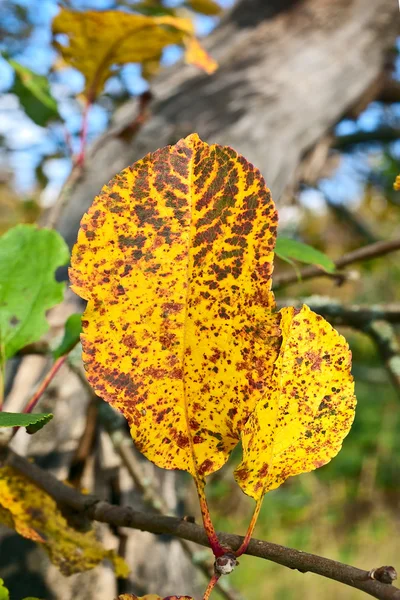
(33, 92)
(28, 260)
(73, 329)
(4, 595)
(288, 249)
(32, 422)
(204, 7)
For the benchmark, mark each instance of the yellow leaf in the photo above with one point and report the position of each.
(34, 515)
(196, 55)
(99, 41)
(300, 425)
(175, 258)
(205, 7)
(396, 184)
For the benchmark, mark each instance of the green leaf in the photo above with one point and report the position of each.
(32, 422)
(152, 9)
(204, 7)
(28, 260)
(72, 332)
(288, 250)
(4, 595)
(34, 94)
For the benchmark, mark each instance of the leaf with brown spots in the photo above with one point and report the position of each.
(34, 515)
(175, 258)
(299, 425)
(98, 41)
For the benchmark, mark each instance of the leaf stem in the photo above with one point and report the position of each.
(84, 131)
(211, 585)
(42, 387)
(243, 546)
(216, 547)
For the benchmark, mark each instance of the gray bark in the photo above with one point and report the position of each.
(288, 71)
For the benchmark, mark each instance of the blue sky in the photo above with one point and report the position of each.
(28, 142)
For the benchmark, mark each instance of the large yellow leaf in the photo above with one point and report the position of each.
(175, 260)
(301, 423)
(34, 515)
(100, 40)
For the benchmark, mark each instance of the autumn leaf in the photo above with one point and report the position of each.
(34, 515)
(175, 258)
(196, 55)
(300, 424)
(100, 40)
(396, 185)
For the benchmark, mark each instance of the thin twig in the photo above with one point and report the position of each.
(30, 405)
(65, 195)
(85, 445)
(381, 135)
(361, 254)
(97, 510)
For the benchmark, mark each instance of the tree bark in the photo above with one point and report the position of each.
(289, 70)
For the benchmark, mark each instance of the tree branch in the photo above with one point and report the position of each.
(381, 135)
(364, 253)
(356, 315)
(381, 332)
(375, 321)
(97, 510)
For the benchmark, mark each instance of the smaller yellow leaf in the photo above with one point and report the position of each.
(100, 40)
(197, 56)
(205, 7)
(34, 515)
(396, 184)
(300, 425)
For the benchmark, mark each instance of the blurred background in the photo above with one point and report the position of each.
(309, 91)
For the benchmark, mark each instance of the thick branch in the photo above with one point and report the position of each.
(376, 321)
(364, 253)
(98, 510)
(356, 315)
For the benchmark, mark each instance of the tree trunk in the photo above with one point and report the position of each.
(289, 70)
